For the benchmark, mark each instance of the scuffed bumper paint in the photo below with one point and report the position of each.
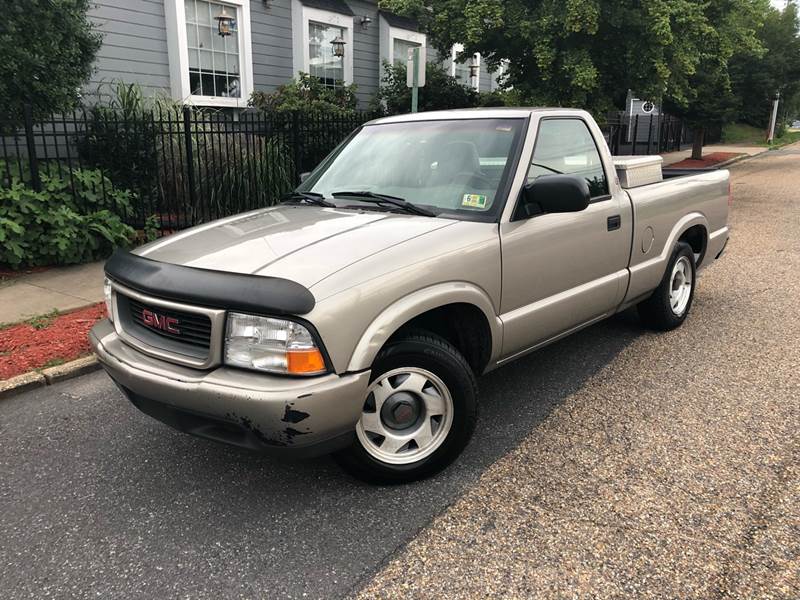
(253, 410)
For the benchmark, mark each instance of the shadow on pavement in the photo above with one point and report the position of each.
(138, 509)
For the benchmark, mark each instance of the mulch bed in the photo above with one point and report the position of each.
(7, 274)
(47, 341)
(709, 160)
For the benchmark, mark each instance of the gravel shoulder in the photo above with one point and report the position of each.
(674, 470)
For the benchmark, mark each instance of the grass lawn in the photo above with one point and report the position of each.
(739, 133)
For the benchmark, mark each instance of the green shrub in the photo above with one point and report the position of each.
(232, 172)
(306, 94)
(62, 224)
(121, 136)
(441, 92)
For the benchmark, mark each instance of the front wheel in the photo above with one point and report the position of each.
(418, 414)
(669, 305)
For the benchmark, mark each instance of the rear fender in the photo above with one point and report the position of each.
(646, 275)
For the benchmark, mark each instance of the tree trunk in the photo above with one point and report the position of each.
(697, 146)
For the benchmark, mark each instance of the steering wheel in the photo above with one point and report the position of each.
(473, 178)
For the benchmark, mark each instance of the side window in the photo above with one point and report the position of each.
(565, 146)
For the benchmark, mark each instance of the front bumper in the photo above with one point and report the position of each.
(296, 416)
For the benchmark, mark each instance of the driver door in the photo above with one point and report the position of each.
(562, 271)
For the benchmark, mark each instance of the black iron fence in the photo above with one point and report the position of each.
(650, 134)
(187, 166)
(184, 166)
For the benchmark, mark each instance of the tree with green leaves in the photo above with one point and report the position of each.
(732, 29)
(756, 79)
(588, 53)
(47, 49)
(584, 53)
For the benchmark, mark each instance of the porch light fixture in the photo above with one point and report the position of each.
(225, 23)
(365, 21)
(338, 46)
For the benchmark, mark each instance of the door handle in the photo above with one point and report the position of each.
(614, 222)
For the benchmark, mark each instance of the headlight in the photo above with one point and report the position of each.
(273, 345)
(107, 294)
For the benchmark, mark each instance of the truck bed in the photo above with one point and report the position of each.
(662, 210)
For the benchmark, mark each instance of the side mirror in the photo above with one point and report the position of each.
(304, 176)
(553, 194)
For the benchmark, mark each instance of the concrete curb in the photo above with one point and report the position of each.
(34, 379)
(737, 159)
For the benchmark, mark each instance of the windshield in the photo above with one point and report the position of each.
(455, 168)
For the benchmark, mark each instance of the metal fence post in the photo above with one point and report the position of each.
(187, 135)
(33, 161)
(296, 152)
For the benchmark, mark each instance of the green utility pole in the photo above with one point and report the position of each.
(415, 81)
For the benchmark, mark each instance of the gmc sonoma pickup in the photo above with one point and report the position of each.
(427, 249)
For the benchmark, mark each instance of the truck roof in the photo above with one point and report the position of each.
(474, 113)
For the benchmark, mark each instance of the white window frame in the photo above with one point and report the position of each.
(178, 51)
(501, 72)
(475, 80)
(302, 15)
(388, 35)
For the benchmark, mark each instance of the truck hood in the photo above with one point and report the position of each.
(302, 243)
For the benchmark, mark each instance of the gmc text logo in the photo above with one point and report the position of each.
(161, 322)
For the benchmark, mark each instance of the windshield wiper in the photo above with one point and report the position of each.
(396, 201)
(551, 169)
(311, 197)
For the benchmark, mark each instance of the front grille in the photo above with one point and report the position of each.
(187, 328)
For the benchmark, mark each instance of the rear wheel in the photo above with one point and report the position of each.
(418, 414)
(669, 305)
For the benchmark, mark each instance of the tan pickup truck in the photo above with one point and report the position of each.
(356, 316)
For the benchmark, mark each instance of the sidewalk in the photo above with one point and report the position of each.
(670, 158)
(59, 288)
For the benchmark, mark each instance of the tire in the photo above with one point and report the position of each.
(668, 308)
(401, 406)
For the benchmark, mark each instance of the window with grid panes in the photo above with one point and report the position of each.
(214, 60)
(323, 64)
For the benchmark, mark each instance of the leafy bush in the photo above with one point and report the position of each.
(442, 91)
(70, 221)
(232, 173)
(306, 94)
(121, 136)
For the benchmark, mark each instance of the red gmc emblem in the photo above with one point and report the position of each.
(161, 322)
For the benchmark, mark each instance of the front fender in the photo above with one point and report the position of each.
(402, 311)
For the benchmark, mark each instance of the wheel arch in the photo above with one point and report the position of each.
(647, 274)
(697, 237)
(454, 298)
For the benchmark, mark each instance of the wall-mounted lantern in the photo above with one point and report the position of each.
(226, 23)
(365, 21)
(338, 46)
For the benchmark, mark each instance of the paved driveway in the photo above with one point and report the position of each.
(614, 462)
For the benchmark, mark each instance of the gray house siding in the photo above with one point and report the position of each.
(134, 46)
(366, 51)
(271, 32)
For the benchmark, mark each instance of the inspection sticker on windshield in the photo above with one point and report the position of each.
(473, 201)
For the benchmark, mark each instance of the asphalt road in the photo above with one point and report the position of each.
(99, 500)
(596, 463)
